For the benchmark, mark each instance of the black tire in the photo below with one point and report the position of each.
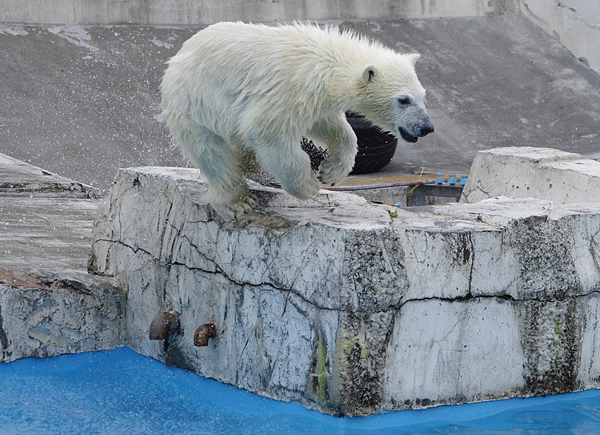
(375, 146)
(316, 154)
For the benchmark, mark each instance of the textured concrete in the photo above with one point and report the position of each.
(17, 177)
(58, 314)
(186, 12)
(83, 101)
(45, 219)
(528, 172)
(575, 23)
(350, 309)
(49, 305)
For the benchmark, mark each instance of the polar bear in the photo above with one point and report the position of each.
(237, 88)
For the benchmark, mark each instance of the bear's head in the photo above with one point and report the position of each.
(394, 99)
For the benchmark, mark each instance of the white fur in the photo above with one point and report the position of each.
(235, 85)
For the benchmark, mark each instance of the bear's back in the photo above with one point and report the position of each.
(259, 49)
(245, 77)
(248, 70)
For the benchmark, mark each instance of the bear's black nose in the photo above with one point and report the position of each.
(426, 129)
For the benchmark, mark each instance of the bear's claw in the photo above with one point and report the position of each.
(331, 173)
(237, 208)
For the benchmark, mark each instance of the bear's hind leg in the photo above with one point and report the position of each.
(342, 145)
(228, 190)
(290, 166)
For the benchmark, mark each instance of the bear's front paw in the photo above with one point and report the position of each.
(333, 172)
(236, 208)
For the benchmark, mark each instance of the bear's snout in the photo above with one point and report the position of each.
(416, 131)
(426, 128)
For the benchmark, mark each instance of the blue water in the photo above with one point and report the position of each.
(120, 392)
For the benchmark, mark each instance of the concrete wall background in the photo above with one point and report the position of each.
(194, 12)
(575, 23)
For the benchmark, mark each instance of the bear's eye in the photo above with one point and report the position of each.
(404, 101)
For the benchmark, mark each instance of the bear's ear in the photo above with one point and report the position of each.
(413, 58)
(370, 73)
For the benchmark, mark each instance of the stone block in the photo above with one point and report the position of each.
(527, 172)
(49, 305)
(47, 316)
(349, 309)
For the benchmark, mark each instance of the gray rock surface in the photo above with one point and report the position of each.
(54, 315)
(526, 172)
(348, 309)
(49, 304)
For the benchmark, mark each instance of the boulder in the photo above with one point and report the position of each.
(49, 304)
(529, 172)
(353, 308)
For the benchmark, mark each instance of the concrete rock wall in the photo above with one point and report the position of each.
(575, 23)
(338, 305)
(184, 12)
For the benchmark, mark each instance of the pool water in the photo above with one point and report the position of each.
(120, 392)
